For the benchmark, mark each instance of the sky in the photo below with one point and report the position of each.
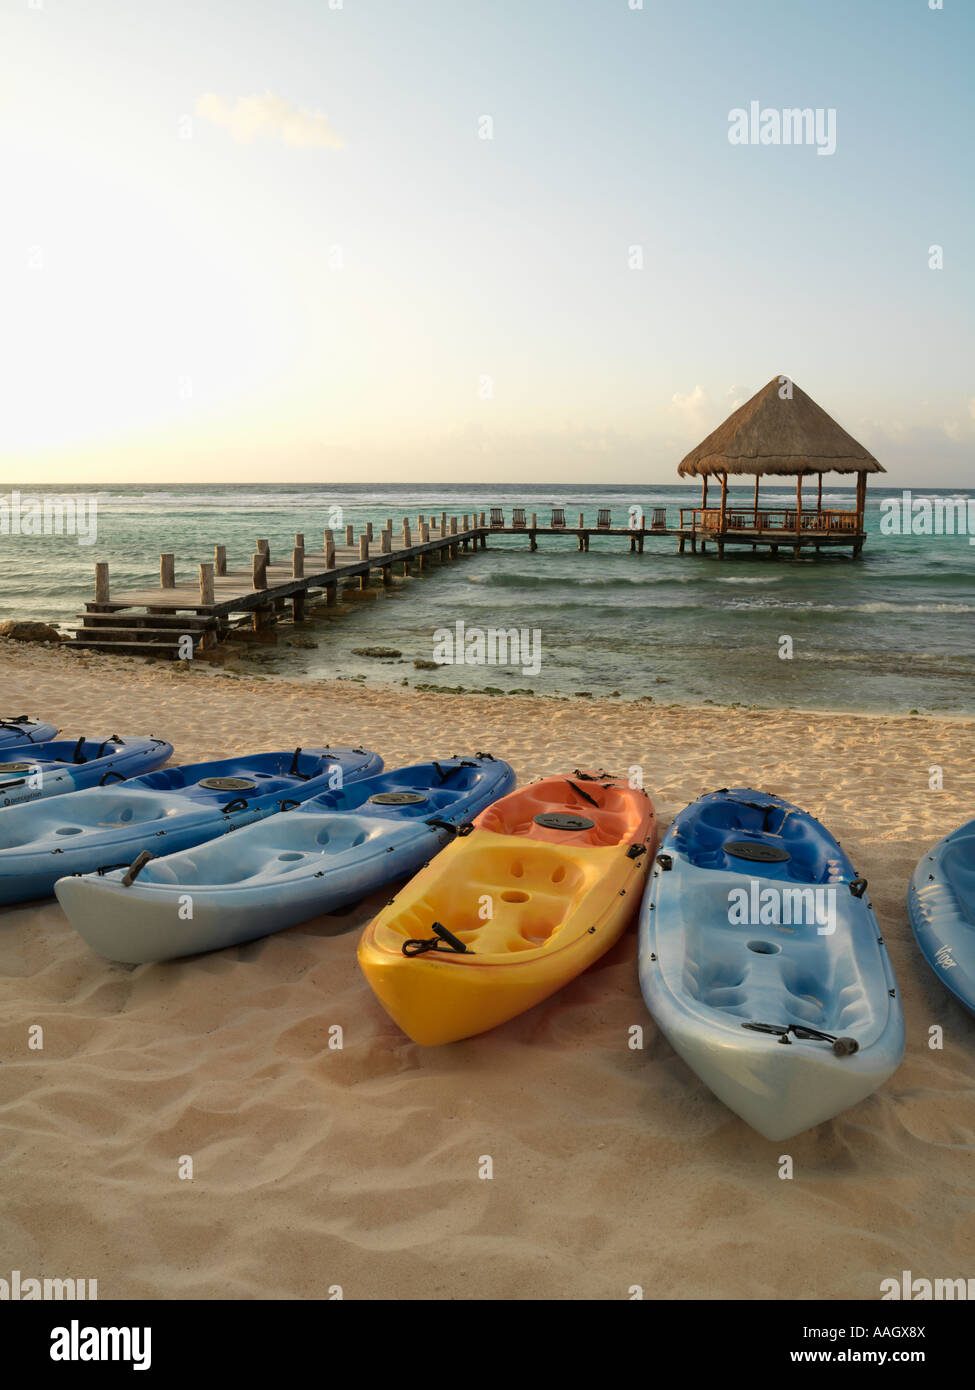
(503, 240)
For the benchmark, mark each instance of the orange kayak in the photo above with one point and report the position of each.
(545, 883)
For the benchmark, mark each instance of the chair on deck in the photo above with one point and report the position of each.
(497, 516)
(518, 517)
(558, 517)
(659, 521)
(602, 518)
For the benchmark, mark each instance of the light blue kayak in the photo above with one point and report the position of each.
(165, 811)
(22, 729)
(941, 903)
(331, 851)
(32, 771)
(762, 963)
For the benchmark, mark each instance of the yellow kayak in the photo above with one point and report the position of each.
(546, 882)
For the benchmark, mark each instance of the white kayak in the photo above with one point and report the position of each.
(331, 851)
(762, 962)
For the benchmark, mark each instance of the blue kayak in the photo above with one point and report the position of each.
(762, 963)
(332, 851)
(32, 771)
(23, 729)
(941, 903)
(163, 811)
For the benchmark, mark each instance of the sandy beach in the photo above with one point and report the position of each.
(316, 1169)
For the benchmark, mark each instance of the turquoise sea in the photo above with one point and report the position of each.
(894, 630)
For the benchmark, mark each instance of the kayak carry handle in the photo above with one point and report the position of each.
(442, 940)
(287, 803)
(585, 795)
(239, 803)
(635, 851)
(842, 1047)
(464, 828)
(665, 861)
(293, 769)
(135, 868)
(106, 775)
(858, 886)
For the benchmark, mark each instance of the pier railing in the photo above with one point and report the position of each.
(821, 519)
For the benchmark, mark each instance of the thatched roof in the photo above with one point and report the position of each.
(771, 435)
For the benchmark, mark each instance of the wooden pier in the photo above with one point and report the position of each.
(165, 620)
(180, 619)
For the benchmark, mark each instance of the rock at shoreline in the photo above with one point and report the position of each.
(380, 653)
(422, 664)
(22, 631)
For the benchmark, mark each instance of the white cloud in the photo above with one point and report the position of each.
(252, 116)
(695, 408)
(690, 405)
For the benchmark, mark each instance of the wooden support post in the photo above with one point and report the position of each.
(443, 523)
(453, 526)
(534, 520)
(798, 502)
(299, 540)
(755, 517)
(298, 562)
(582, 519)
(298, 606)
(259, 570)
(265, 549)
(364, 555)
(167, 571)
(101, 581)
(331, 595)
(640, 543)
(220, 559)
(724, 507)
(329, 550)
(349, 536)
(819, 494)
(680, 546)
(206, 584)
(407, 541)
(579, 541)
(368, 530)
(386, 542)
(861, 502)
(387, 575)
(632, 545)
